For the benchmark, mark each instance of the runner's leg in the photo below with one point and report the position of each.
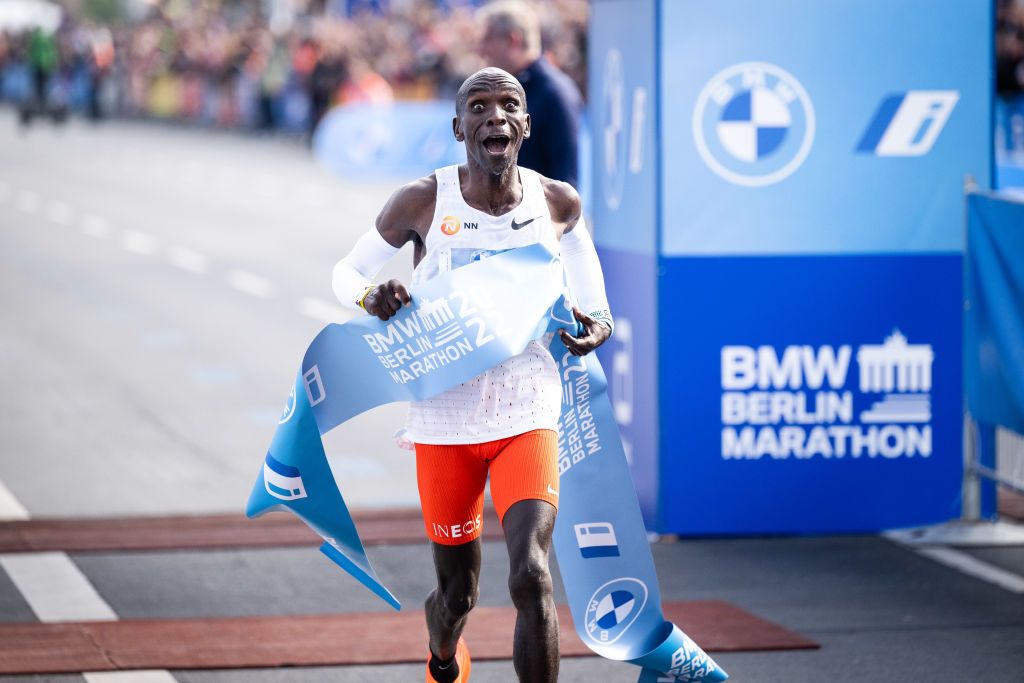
(524, 486)
(451, 483)
(528, 526)
(448, 605)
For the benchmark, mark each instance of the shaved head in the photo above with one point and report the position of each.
(486, 79)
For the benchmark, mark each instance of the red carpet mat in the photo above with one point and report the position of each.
(384, 527)
(342, 639)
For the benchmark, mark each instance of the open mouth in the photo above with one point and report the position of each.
(497, 144)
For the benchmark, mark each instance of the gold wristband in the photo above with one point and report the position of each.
(361, 301)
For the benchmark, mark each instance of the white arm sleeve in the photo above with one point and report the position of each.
(352, 274)
(583, 270)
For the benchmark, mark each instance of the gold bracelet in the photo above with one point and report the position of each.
(361, 301)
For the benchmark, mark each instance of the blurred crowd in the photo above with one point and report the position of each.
(1010, 47)
(239, 63)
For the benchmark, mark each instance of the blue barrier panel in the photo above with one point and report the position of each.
(994, 318)
(403, 140)
(805, 273)
(622, 103)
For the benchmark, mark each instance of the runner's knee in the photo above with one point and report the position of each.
(529, 583)
(458, 598)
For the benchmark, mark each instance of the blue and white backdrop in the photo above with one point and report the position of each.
(779, 209)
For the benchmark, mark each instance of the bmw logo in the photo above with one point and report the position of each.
(753, 124)
(289, 408)
(613, 608)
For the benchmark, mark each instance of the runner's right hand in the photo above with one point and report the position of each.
(385, 300)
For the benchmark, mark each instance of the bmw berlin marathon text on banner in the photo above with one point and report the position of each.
(803, 313)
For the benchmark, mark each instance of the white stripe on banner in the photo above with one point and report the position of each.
(149, 676)
(972, 566)
(55, 588)
(11, 508)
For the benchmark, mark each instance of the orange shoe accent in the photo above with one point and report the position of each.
(462, 657)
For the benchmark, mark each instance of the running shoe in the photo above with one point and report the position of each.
(462, 657)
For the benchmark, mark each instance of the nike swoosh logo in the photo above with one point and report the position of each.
(552, 491)
(517, 226)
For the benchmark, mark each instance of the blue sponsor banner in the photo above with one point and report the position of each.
(822, 127)
(625, 156)
(403, 139)
(837, 411)
(809, 202)
(994, 334)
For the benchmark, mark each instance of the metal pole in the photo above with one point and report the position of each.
(971, 491)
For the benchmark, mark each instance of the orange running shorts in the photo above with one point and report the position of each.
(451, 481)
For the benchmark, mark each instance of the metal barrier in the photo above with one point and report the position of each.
(1009, 460)
(993, 456)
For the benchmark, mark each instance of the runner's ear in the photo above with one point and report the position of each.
(455, 129)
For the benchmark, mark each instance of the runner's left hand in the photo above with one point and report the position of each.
(594, 334)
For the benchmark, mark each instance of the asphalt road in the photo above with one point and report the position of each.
(159, 287)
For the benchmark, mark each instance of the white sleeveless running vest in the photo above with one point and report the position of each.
(523, 393)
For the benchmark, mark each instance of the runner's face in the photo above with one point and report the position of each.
(494, 123)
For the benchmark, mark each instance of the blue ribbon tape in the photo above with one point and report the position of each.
(458, 325)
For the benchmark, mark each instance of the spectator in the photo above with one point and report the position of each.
(43, 60)
(1010, 47)
(512, 41)
(329, 72)
(225, 63)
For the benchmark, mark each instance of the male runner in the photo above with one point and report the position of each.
(504, 421)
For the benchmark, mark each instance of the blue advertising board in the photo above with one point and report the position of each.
(810, 231)
(625, 156)
(401, 139)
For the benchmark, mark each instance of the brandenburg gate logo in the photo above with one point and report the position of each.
(903, 372)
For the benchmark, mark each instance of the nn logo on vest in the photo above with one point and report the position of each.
(908, 124)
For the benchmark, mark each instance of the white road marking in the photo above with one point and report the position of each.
(325, 311)
(55, 588)
(138, 242)
(28, 201)
(251, 284)
(51, 583)
(97, 227)
(149, 676)
(972, 566)
(59, 212)
(11, 508)
(189, 260)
